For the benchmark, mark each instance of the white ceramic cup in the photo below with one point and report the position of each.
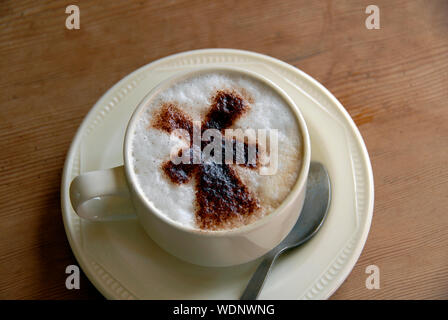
(113, 194)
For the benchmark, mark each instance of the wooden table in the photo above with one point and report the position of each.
(393, 82)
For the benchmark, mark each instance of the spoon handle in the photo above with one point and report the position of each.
(257, 281)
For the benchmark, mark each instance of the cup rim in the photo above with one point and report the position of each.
(298, 186)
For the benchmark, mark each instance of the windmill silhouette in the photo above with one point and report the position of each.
(222, 199)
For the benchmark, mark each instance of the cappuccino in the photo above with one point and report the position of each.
(211, 195)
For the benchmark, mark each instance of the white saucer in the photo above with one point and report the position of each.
(124, 263)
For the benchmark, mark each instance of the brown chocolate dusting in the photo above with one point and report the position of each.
(248, 149)
(170, 118)
(221, 197)
(178, 173)
(226, 108)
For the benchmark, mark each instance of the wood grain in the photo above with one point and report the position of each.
(393, 81)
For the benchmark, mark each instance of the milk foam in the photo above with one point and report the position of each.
(152, 147)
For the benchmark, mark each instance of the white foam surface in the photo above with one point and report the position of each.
(151, 147)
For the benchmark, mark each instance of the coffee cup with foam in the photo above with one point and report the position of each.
(215, 167)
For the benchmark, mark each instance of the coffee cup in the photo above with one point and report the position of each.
(204, 237)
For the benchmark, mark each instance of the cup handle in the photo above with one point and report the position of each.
(102, 195)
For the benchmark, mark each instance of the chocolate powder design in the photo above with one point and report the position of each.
(221, 197)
